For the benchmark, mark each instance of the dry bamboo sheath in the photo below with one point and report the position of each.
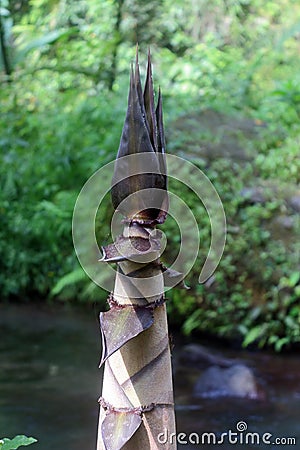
(136, 406)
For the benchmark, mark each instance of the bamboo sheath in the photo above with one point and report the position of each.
(136, 406)
(138, 376)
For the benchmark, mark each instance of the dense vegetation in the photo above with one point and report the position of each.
(230, 75)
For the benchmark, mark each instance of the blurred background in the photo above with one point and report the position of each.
(229, 71)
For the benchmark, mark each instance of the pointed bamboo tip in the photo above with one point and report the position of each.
(149, 55)
(142, 133)
(159, 99)
(137, 67)
(149, 71)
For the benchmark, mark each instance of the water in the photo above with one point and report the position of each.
(50, 383)
(49, 379)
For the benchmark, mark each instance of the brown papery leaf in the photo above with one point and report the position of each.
(149, 105)
(118, 427)
(119, 325)
(137, 248)
(142, 133)
(173, 278)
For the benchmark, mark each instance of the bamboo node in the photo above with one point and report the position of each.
(139, 410)
(113, 303)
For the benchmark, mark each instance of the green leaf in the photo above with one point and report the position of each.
(253, 335)
(16, 442)
(41, 41)
(290, 322)
(192, 322)
(280, 343)
(71, 278)
(294, 278)
(272, 339)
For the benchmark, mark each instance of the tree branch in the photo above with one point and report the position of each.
(4, 50)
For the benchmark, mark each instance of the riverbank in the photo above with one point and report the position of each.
(50, 382)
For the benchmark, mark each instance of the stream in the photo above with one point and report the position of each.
(50, 382)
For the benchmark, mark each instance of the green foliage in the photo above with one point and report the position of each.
(62, 110)
(16, 442)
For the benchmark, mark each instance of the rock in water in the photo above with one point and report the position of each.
(235, 381)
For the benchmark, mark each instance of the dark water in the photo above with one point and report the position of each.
(50, 382)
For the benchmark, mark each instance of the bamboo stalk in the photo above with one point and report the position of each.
(139, 375)
(136, 405)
